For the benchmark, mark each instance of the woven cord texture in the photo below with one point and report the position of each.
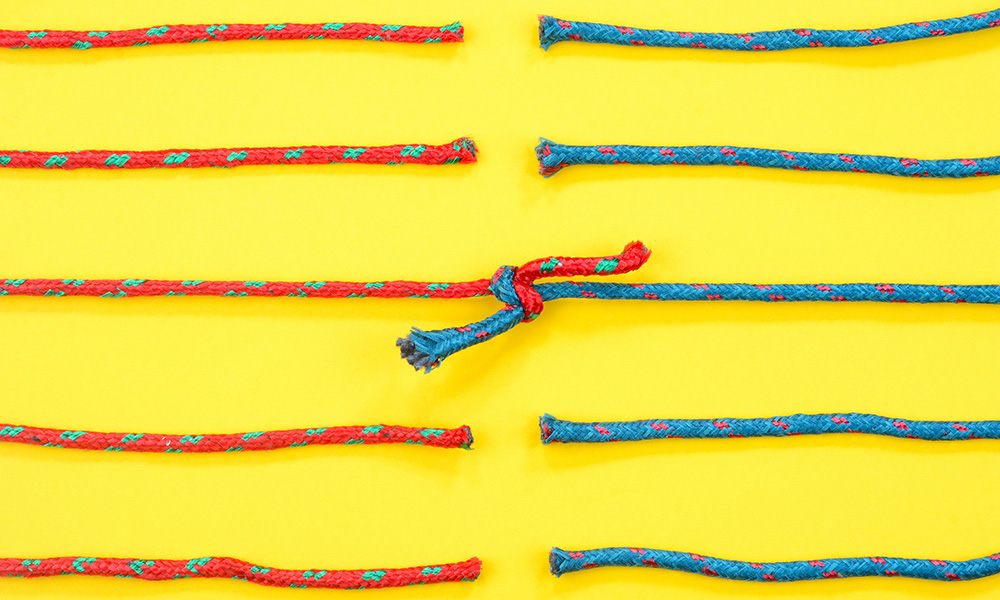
(179, 34)
(552, 30)
(516, 288)
(235, 442)
(562, 561)
(462, 150)
(558, 431)
(553, 157)
(231, 568)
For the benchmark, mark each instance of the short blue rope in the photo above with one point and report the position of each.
(552, 30)
(558, 431)
(562, 562)
(553, 157)
(426, 349)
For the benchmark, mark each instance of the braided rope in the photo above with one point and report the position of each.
(460, 437)
(567, 432)
(562, 562)
(231, 568)
(515, 287)
(552, 30)
(179, 34)
(553, 157)
(462, 150)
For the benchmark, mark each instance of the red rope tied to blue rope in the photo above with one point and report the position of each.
(552, 30)
(523, 298)
(562, 561)
(516, 288)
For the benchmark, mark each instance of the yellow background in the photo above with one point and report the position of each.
(196, 365)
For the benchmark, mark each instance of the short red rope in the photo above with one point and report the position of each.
(231, 568)
(462, 150)
(177, 34)
(460, 437)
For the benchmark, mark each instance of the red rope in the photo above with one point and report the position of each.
(462, 150)
(120, 288)
(176, 34)
(460, 437)
(231, 568)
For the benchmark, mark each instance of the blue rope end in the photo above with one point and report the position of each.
(545, 424)
(548, 163)
(557, 558)
(546, 31)
(415, 349)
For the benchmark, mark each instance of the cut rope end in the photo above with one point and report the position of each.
(549, 163)
(545, 425)
(548, 31)
(557, 561)
(466, 149)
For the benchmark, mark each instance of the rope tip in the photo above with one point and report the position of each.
(411, 353)
(466, 149)
(548, 162)
(545, 425)
(467, 438)
(556, 558)
(545, 37)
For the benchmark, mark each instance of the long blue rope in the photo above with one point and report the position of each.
(558, 431)
(552, 30)
(562, 561)
(553, 157)
(427, 349)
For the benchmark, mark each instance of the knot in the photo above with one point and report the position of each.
(514, 286)
(516, 292)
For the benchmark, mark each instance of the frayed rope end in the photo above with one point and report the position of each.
(545, 424)
(548, 163)
(557, 558)
(467, 436)
(467, 150)
(547, 30)
(414, 351)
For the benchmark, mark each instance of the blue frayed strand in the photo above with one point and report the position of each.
(561, 562)
(557, 431)
(553, 157)
(552, 30)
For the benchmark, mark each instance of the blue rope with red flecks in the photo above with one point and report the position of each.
(552, 30)
(553, 157)
(515, 287)
(566, 432)
(562, 561)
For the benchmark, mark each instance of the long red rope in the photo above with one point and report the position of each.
(460, 437)
(231, 568)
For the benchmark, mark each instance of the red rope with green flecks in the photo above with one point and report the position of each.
(231, 568)
(462, 150)
(178, 34)
(460, 437)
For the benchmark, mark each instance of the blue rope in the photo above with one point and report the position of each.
(553, 157)
(562, 562)
(426, 349)
(552, 30)
(557, 431)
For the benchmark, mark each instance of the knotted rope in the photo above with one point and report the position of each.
(562, 562)
(552, 30)
(179, 34)
(460, 437)
(231, 568)
(558, 431)
(515, 287)
(553, 157)
(462, 150)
